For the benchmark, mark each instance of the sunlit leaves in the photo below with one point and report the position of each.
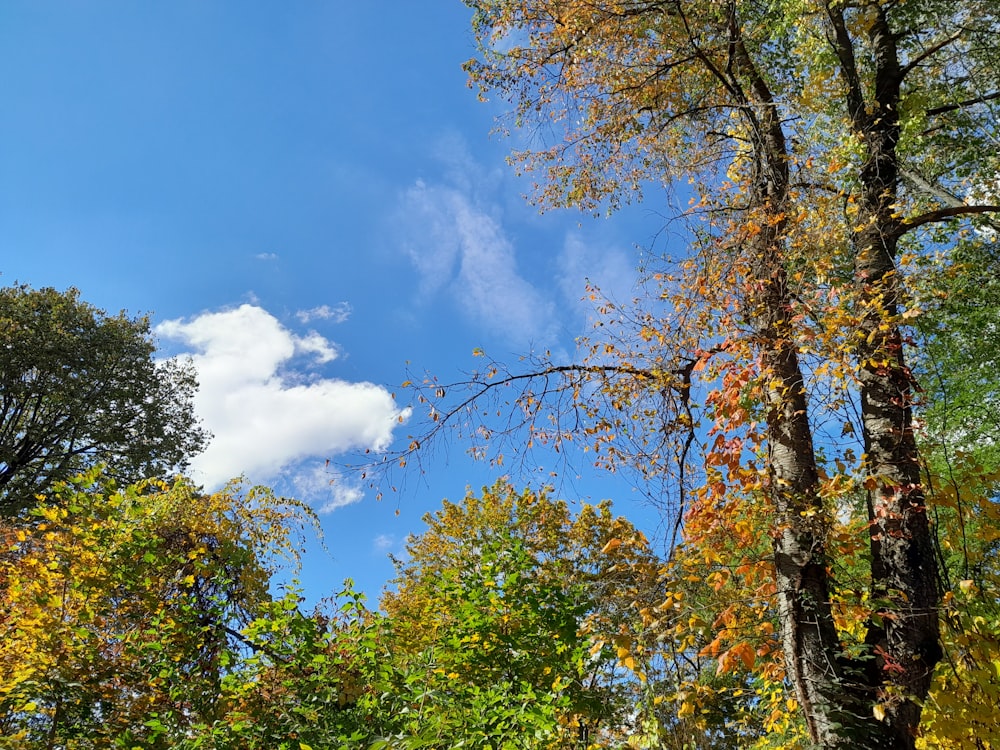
(817, 138)
(121, 606)
(508, 590)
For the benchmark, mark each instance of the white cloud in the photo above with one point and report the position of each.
(337, 314)
(327, 488)
(266, 256)
(314, 343)
(383, 542)
(341, 495)
(462, 248)
(265, 421)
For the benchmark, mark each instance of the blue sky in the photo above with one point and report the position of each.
(305, 197)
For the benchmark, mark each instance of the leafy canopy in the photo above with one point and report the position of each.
(827, 148)
(80, 387)
(122, 608)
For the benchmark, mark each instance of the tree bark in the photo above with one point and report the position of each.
(808, 633)
(905, 637)
(837, 694)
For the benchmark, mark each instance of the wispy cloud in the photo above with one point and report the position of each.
(336, 314)
(317, 345)
(462, 248)
(266, 417)
(266, 256)
(460, 234)
(326, 488)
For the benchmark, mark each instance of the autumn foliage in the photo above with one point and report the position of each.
(806, 388)
(121, 606)
(829, 151)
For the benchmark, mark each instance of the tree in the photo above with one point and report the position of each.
(80, 387)
(829, 145)
(511, 624)
(299, 680)
(960, 411)
(122, 609)
(506, 596)
(960, 712)
(959, 335)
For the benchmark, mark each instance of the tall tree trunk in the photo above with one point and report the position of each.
(836, 694)
(906, 636)
(808, 634)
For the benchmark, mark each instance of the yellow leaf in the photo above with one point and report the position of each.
(878, 710)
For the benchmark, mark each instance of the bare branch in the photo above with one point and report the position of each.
(943, 214)
(932, 50)
(962, 104)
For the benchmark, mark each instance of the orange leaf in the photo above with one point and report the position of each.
(611, 546)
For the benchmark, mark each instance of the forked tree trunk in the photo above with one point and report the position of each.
(840, 696)
(837, 694)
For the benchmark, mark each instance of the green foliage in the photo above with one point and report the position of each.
(509, 601)
(491, 636)
(79, 387)
(959, 333)
(512, 624)
(142, 617)
(120, 608)
(960, 352)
